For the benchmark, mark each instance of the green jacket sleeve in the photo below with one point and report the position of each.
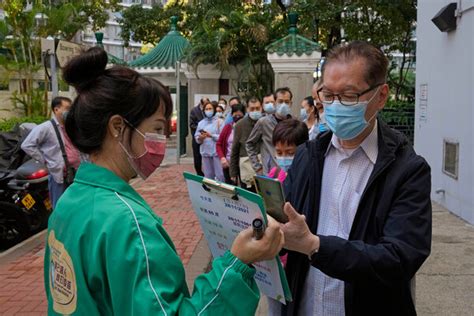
(146, 276)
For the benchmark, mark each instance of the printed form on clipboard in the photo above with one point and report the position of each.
(224, 211)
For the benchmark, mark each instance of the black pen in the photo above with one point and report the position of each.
(258, 226)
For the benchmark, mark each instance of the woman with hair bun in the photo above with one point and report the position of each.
(107, 252)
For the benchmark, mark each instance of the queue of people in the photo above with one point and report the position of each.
(358, 196)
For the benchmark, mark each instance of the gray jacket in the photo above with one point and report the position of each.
(260, 142)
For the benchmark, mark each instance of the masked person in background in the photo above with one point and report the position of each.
(219, 110)
(287, 136)
(196, 115)
(260, 140)
(207, 134)
(107, 252)
(269, 104)
(322, 126)
(43, 144)
(310, 116)
(240, 167)
(359, 200)
(226, 140)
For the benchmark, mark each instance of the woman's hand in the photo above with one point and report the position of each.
(298, 237)
(250, 250)
(224, 163)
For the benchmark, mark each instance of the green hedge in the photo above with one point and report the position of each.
(8, 124)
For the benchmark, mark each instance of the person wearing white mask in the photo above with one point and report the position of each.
(220, 111)
(260, 140)
(207, 134)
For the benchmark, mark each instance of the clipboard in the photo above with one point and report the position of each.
(223, 211)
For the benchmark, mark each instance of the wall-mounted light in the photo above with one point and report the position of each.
(445, 19)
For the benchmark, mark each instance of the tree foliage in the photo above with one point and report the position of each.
(20, 32)
(230, 33)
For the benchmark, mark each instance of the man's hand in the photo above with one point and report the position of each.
(298, 237)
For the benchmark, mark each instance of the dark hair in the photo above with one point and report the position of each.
(253, 100)
(235, 98)
(283, 90)
(269, 95)
(375, 61)
(222, 99)
(203, 101)
(103, 93)
(290, 131)
(310, 101)
(57, 102)
(214, 106)
(238, 107)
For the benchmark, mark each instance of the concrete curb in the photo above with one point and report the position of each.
(22, 248)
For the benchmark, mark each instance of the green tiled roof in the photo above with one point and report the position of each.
(169, 50)
(99, 36)
(293, 43)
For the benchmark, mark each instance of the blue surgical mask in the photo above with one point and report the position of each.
(209, 114)
(220, 114)
(284, 162)
(347, 122)
(283, 110)
(322, 126)
(303, 114)
(269, 108)
(255, 115)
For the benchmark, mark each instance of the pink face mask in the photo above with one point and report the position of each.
(155, 148)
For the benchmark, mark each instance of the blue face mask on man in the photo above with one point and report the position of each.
(269, 108)
(255, 115)
(283, 110)
(347, 122)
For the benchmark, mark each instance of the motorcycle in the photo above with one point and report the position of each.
(24, 197)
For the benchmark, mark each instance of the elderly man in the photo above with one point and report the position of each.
(362, 225)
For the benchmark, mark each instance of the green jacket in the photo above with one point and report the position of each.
(107, 253)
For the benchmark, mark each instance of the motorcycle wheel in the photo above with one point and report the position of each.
(14, 226)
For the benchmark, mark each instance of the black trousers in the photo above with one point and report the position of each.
(197, 158)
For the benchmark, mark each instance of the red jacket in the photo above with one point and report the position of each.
(221, 145)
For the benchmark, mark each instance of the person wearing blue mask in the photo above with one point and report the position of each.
(207, 134)
(259, 144)
(287, 136)
(359, 204)
(241, 170)
(228, 115)
(269, 104)
(310, 116)
(226, 139)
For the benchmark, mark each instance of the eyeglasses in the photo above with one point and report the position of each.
(346, 98)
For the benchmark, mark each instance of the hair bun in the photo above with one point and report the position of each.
(83, 69)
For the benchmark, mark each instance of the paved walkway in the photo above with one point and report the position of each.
(21, 278)
(445, 283)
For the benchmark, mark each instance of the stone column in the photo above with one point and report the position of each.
(294, 59)
(296, 73)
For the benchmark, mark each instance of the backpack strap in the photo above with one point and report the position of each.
(61, 144)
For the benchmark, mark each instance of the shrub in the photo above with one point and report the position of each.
(8, 124)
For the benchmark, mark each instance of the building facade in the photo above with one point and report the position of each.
(444, 132)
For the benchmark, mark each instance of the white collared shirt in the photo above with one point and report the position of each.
(345, 176)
